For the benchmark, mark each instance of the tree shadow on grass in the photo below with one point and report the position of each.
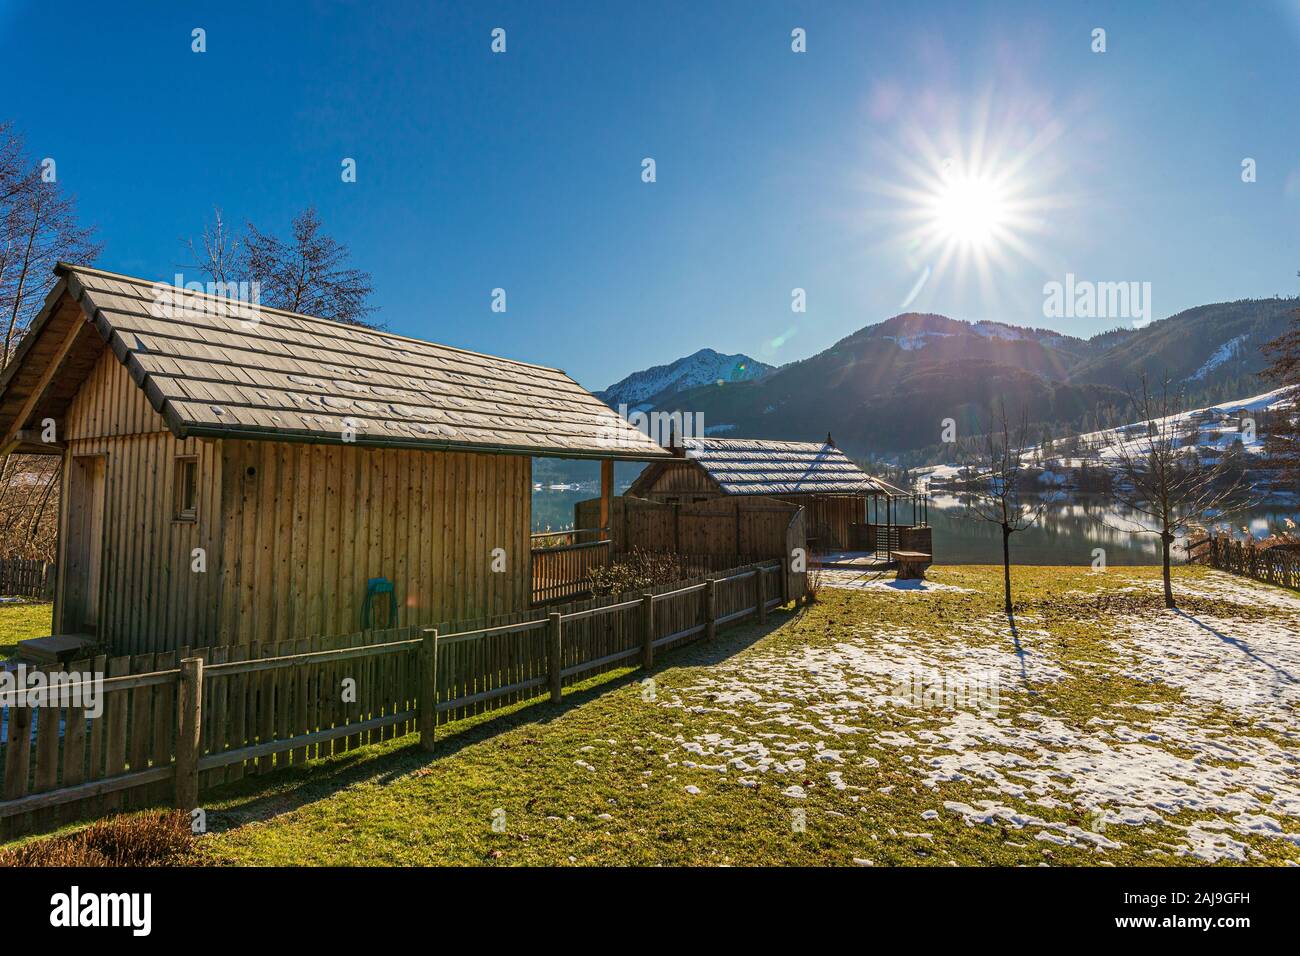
(1020, 652)
(265, 797)
(1280, 673)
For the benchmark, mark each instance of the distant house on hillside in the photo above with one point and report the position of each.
(239, 475)
(836, 494)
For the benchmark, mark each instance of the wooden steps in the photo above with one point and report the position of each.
(56, 649)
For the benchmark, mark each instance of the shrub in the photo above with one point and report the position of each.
(153, 838)
(815, 579)
(637, 571)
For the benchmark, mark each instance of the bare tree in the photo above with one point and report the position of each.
(38, 227)
(14, 168)
(1161, 476)
(995, 496)
(1282, 442)
(219, 252)
(308, 273)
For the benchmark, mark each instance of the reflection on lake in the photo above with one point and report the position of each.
(1066, 533)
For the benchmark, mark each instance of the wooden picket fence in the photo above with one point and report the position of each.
(26, 577)
(1273, 565)
(172, 724)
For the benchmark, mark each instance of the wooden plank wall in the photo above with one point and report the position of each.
(680, 480)
(305, 527)
(150, 600)
(721, 525)
(291, 543)
(829, 517)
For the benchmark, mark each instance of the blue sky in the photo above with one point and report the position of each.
(775, 170)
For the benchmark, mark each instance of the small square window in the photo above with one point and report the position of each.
(187, 489)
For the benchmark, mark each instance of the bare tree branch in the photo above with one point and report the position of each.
(1161, 476)
(308, 273)
(995, 494)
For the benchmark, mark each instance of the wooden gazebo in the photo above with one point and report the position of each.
(845, 508)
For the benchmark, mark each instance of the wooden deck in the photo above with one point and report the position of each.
(851, 561)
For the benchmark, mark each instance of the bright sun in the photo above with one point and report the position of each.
(972, 210)
(969, 210)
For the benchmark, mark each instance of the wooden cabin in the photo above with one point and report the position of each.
(239, 475)
(843, 505)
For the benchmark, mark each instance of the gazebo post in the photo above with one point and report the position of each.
(889, 531)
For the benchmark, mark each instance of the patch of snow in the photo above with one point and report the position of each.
(875, 581)
(1223, 353)
(702, 368)
(917, 340)
(996, 330)
(1217, 766)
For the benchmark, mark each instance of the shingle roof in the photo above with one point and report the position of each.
(217, 369)
(756, 467)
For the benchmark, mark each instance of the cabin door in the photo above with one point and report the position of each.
(84, 552)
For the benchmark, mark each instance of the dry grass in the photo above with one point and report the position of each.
(153, 838)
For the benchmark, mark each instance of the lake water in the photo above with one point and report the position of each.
(553, 510)
(1067, 533)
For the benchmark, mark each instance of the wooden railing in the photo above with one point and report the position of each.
(1272, 565)
(882, 539)
(186, 721)
(564, 572)
(559, 539)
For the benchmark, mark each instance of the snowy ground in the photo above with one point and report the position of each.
(875, 580)
(1197, 755)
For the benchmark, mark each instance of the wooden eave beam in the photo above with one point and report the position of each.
(12, 437)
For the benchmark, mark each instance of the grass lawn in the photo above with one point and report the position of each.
(1120, 734)
(21, 621)
(877, 727)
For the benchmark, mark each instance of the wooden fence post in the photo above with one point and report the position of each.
(710, 609)
(189, 723)
(647, 631)
(428, 716)
(555, 661)
(760, 588)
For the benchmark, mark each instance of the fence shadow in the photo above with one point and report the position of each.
(265, 797)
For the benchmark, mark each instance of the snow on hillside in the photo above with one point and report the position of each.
(1210, 431)
(1217, 428)
(1228, 350)
(999, 330)
(910, 343)
(702, 368)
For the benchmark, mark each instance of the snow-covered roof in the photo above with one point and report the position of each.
(746, 466)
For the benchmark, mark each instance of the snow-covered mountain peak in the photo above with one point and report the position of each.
(700, 368)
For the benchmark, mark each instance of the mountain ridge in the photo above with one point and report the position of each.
(644, 389)
(888, 387)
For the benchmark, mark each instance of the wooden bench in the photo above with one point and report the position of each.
(911, 565)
